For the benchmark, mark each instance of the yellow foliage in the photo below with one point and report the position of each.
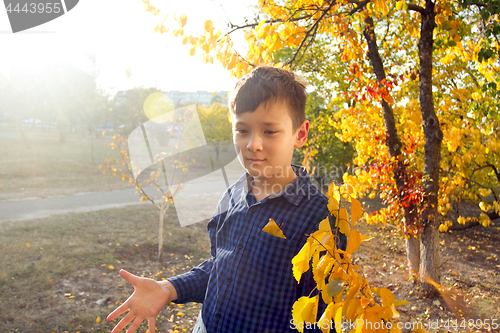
(335, 266)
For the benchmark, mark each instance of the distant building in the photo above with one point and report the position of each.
(197, 97)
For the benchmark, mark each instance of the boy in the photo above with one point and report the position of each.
(248, 285)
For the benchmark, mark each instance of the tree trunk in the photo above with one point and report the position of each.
(430, 259)
(60, 124)
(413, 253)
(394, 146)
(160, 231)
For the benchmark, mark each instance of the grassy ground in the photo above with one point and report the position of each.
(61, 273)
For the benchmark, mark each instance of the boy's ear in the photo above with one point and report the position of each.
(301, 135)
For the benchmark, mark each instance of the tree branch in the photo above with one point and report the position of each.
(309, 32)
(416, 8)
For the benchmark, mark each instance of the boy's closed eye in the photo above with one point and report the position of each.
(243, 131)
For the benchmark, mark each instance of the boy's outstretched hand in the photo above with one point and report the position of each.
(148, 298)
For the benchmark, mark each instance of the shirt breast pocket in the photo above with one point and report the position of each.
(272, 256)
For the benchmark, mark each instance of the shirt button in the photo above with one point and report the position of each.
(252, 209)
(218, 316)
(229, 280)
(240, 246)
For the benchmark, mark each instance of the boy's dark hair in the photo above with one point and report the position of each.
(269, 84)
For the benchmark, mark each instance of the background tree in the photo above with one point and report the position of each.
(390, 113)
(216, 125)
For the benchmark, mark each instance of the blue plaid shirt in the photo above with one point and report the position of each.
(248, 285)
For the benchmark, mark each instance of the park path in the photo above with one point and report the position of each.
(32, 208)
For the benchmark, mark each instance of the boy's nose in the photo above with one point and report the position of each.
(254, 143)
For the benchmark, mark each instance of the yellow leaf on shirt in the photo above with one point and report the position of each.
(273, 229)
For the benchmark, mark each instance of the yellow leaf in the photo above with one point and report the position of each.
(333, 192)
(28, 244)
(98, 320)
(183, 20)
(209, 26)
(356, 210)
(273, 229)
(386, 296)
(365, 238)
(111, 267)
(301, 261)
(325, 225)
(399, 303)
(332, 311)
(305, 310)
(348, 191)
(333, 204)
(350, 308)
(354, 241)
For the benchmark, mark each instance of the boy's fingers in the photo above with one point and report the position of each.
(129, 277)
(152, 325)
(118, 311)
(124, 322)
(135, 325)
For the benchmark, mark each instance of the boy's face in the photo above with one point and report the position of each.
(266, 140)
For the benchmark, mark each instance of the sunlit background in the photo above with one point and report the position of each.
(127, 51)
(69, 85)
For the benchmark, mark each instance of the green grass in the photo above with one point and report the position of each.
(42, 260)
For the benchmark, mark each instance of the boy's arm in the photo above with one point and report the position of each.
(192, 286)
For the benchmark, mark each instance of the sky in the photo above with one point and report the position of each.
(121, 35)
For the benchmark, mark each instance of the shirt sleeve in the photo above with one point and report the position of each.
(191, 286)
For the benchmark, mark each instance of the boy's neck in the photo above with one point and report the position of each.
(262, 187)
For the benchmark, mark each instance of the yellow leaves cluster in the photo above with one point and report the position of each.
(380, 6)
(342, 285)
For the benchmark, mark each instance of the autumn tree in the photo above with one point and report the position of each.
(390, 53)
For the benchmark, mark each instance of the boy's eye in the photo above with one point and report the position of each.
(241, 131)
(271, 132)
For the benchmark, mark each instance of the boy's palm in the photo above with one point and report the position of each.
(147, 300)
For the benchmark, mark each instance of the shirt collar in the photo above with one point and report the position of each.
(293, 191)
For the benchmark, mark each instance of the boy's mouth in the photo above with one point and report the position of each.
(255, 160)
